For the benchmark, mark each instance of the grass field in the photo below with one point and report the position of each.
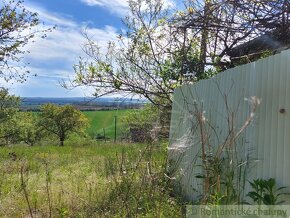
(105, 120)
(100, 121)
(99, 180)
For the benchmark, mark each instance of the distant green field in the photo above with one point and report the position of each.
(104, 120)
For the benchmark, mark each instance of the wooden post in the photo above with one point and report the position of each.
(115, 129)
(105, 134)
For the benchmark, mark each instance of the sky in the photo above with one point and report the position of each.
(52, 58)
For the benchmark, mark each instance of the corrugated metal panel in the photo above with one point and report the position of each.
(267, 139)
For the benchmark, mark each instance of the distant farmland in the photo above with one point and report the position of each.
(104, 120)
(84, 104)
(101, 112)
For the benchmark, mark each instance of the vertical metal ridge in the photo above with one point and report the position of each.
(282, 117)
(268, 137)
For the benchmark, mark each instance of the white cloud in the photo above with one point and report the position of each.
(64, 43)
(120, 7)
(50, 18)
(47, 84)
(53, 57)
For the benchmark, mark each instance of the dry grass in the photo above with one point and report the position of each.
(84, 182)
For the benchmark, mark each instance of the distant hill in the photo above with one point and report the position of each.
(85, 104)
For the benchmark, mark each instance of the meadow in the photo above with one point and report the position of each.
(101, 121)
(97, 180)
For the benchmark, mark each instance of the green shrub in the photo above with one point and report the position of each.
(147, 124)
(266, 192)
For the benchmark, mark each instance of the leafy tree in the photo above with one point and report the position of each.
(16, 126)
(62, 120)
(17, 28)
(9, 106)
(165, 48)
(29, 129)
(8, 101)
(221, 25)
(9, 130)
(151, 59)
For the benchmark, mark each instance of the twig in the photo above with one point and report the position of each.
(23, 186)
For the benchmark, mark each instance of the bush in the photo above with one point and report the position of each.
(148, 124)
(139, 187)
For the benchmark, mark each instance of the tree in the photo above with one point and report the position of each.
(222, 25)
(9, 130)
(164, 49)
(7, 101)
(17, 29)
(151, 59)
(29, 129)
(16, 126)
(9, 106)
(61, 121)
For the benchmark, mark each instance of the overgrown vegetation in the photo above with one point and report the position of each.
(221, 161)
(8, 110)
(147, 124)
(30, 128)
(265, 192)
(159, 51)
(95, 180)
(99, 180)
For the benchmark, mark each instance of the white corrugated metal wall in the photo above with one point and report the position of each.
(267, 139)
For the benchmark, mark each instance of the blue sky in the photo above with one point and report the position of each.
(52, 58)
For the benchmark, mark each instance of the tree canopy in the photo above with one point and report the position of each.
(151, 59)
(222, 25)
(29, 129)
(62, 120)
(9, 106)
(17, 29)
(163, 48)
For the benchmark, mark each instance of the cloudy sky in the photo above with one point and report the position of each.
(52, 58)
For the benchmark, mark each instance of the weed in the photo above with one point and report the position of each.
(99, 180)
(266, 192)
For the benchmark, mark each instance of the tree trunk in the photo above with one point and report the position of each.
(62, 137)
(61, 141)
(204, 38)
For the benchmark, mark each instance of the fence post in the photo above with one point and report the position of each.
(115, 128)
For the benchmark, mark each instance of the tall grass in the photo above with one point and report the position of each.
(216, 157)
(88, 181)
